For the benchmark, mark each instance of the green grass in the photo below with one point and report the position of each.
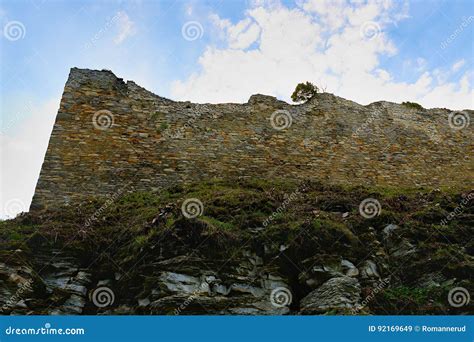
(216, 224)
(148, 227)
(412, 105)
(233, 209)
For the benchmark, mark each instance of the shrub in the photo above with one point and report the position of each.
(412, 105)
(304, 92)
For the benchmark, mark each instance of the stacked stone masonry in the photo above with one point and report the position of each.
(110, 135)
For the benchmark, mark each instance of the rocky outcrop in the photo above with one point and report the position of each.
(340, 294)
(112, 136)
(57, 286)
(140, 253)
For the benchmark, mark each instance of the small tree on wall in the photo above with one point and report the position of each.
(304, 92)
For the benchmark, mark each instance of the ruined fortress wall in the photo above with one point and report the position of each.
(109, 134)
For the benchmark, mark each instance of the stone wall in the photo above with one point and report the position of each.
(109, 135)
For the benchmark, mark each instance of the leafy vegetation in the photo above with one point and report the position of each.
(412, 105)
(304, 92)
(318, 220)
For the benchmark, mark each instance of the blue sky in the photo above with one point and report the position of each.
(365, 51)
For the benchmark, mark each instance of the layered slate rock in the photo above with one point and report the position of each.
(140, 253)
(341, 294)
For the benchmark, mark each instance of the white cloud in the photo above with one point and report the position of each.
(459, 95)
(21, 156)
(125, 27)
(458, 65)
(335, 44)
(269, 51)
(238, 36)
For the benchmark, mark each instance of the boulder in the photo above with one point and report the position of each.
(389, 231)
(341, 294)
(349, 269)
(369, 270)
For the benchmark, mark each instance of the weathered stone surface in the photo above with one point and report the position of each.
(369, 270)
(349, 269)
(389, 231)
(341, 294)
(141, 141)
(169, 265)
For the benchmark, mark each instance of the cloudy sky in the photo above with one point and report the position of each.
(222, 51)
